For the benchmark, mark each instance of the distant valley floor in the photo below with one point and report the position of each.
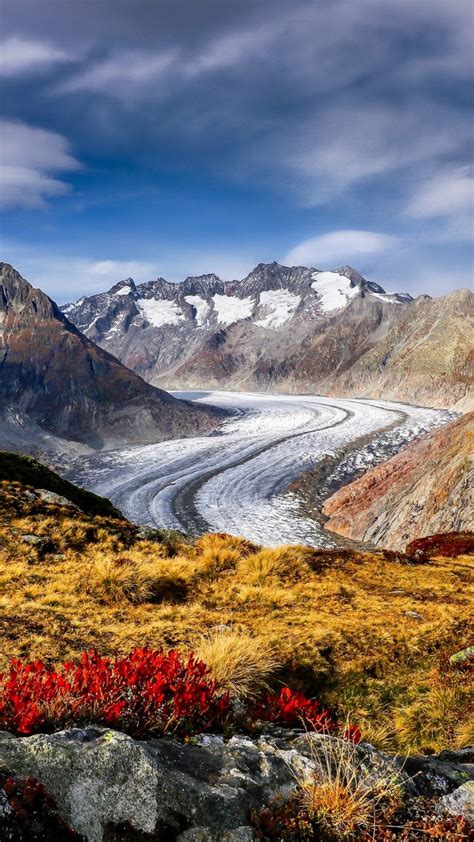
(237, 479)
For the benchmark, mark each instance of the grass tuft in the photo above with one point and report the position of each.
(240, 663)
(344, 794)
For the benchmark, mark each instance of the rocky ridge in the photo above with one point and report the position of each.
(288, 329)
(425, 489)
(57, 385)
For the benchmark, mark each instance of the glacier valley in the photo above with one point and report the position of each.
(237, 479)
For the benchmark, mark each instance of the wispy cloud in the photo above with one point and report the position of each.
(134, 72)
(65, 277)
(20, 56)
(122, 73)
(445, 194)
(338, 247)
(113, 270)
(29, 159)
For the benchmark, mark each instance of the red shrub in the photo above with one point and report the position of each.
(290, 707)
(447, 544)
(145, 692)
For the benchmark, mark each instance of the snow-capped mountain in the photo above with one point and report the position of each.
(280, 328)
(268, 297)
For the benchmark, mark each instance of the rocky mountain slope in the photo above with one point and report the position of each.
(55, 381)
(288, 329)
(426, 488)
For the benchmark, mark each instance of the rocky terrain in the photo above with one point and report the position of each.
(111, 787)
(57, 385)
(426, 488)
(293, 329)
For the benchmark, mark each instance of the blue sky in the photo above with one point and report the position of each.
(176, 137)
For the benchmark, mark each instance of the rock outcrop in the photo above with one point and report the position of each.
(56, 380)
(104, 781)
(289, 329)
(424, 490)
(50, 487)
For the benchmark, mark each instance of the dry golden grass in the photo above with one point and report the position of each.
(465, 733)
(287, 564)
(436, 716)
(344, 795)
(239, 662)
(364, 632)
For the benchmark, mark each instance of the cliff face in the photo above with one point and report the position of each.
(425, 489)
(53, 377)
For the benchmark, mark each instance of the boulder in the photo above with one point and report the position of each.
(57, 499)
(110, 787)
(201, 791)
(459, 803)
(464, 657)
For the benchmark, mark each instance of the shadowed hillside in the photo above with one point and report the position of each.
(57, 379)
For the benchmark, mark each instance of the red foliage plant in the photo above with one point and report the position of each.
(144, 692)
(292, 708)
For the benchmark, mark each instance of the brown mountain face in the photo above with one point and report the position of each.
(425, 489)
(293, 329)
(54, 379)
(426, 356)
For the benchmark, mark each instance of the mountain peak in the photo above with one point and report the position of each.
(127, 284)
(27, 303)
(71, 388)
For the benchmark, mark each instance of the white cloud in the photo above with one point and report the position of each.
(66, 277)
(338, 247)
(29, 159)
(115, 270)
(135, 72)
(231, 49)
(20, 56)
(122, 72)
(446, 194)
(349, 143)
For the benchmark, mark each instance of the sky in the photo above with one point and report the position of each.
(169, 138)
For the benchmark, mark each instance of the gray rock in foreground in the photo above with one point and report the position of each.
(460, 802)
(198, 792)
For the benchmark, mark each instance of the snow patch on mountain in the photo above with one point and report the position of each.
(335, 290)
(200, 305)
(161, 312)
(231, 309)
(389, 299)
(279, 305)
(124, 290)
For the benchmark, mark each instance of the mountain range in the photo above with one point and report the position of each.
(291, 329)
(57, 386)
